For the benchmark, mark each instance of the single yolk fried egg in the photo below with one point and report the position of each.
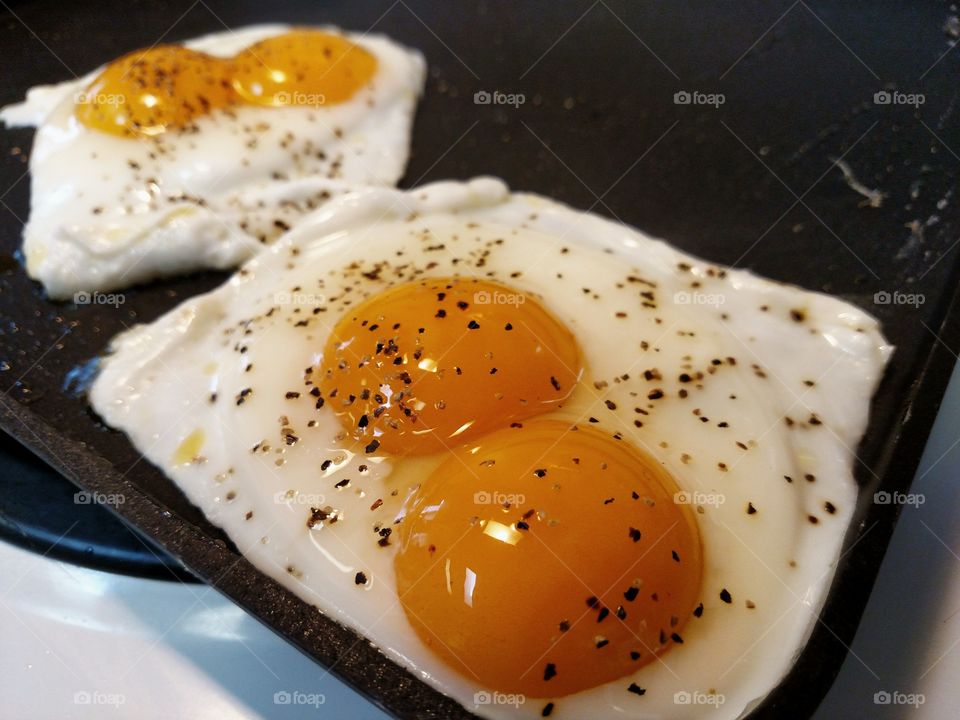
(426, 365)
(661, 522)
(567, 541)
(195, 156)
(150, 91)
(301, 63)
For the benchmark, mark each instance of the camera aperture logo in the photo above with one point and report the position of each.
(84, 497)
(285, 697)
(485, 297)
(485, 97)
(695, 97)
(895, 97)
(483, 497)
(98, 298)
(485, 697)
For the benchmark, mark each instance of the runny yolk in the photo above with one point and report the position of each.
(302, 67)
(427, 365)
(546, 560)
(151, 91)
(168, 87)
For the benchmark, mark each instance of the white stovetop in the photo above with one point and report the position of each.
(77, 643)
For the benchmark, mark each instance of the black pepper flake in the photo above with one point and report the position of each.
(372, 446)
(540, 472)
(343, 483)
(698, 610)
(675, 555)
(676, 638)
(634, 655)
(360, 579)
(564, 625)
(554, 382)
(725, 596)
(325, 464)
(604, 612)
(634, 534)
(751, 510)
(611, 405)
(463, 305)
(441, 313)
(621, 613)
(631, 594)
(550, 671)
(547, 710)
(655, 394)
(508, 326)
(592, 601)
(636, 689)
(601, 642)
(473, 325)
(292, 395)
(521, 525)
(829, 507)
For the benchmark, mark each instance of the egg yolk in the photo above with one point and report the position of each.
(150, 91)
(303, 67)
(167, 87)
(426, 365)
(548, 559)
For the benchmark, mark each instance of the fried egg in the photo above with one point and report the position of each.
(178, 158)
(547, 463)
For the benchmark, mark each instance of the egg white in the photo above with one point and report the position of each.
(274, 316)
(108, 212)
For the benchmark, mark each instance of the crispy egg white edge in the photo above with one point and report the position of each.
(68, 259)
(479, 196)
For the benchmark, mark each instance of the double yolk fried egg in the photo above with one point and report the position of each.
(178, 158)
(550, 465)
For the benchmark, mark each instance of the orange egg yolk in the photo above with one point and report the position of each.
(427, 365)
(151, 91)
(546, 560)
(168, 87)
(303, 67)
